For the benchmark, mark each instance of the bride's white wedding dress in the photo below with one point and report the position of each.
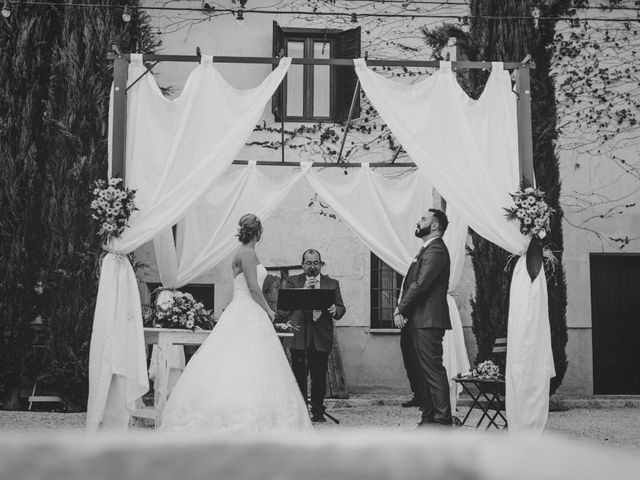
(239, 380)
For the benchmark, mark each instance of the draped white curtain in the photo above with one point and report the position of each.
(208, 232)
(468, 150)
(176, 150)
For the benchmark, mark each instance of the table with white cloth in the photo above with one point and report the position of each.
(164, 340)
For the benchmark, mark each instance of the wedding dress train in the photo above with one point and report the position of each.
(239, 380)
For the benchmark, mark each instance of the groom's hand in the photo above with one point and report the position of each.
(332, 310)
(399, 320)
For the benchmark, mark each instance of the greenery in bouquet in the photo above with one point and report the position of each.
(181, 310)
(486, 370)
(531, 210)
(112, 203)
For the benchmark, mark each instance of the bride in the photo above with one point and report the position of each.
(239, 380)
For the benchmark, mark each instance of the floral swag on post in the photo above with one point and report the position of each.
(534, 215)
(111, 206)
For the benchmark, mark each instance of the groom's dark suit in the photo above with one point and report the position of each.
(313, 340)
(424, 304)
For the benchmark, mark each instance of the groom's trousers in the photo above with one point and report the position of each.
(432, 376)
(315, 363)
(410, 361)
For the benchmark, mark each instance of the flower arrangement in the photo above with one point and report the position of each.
(531, 210)
(283, 327)
(486, 370)
(111, 205)
(181, 310)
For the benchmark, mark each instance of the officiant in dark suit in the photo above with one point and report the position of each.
(313, 332)
(424, 312)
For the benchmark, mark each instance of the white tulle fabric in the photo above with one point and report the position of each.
(208, 233)
(239, 380)
(468, 150)
(176, 150)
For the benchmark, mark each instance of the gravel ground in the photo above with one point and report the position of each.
(616, 427)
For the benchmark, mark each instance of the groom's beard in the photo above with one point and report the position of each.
(423, 232)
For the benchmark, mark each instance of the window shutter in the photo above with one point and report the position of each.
(278, 44)
(346, 78)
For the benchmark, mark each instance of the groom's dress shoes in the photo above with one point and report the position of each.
(318, 419)
(411, 403)
(425, 423)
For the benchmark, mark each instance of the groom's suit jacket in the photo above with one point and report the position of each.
(306, 330)
(424, 297)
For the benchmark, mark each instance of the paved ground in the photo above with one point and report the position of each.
(618, 426)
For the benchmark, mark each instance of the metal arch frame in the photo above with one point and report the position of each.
(523, 92)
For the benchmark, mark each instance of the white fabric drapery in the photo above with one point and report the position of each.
(454, 350)
(176, 150)
(468, 150)
(208, 233)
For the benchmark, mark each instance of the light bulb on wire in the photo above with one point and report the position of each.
(240, 17)
(6, 9)
(126, 15)
(354, 18)
(464, 24)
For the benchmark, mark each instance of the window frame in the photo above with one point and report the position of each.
(309, 36)
(376, 322)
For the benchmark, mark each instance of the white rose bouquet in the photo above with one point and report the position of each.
(111, 206)
(181, 310)
(531, 210)
(486, 370)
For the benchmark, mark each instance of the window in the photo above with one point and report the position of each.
(385, 289)
(318, 93)
(202, 292)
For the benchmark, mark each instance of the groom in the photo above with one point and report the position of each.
(424, 312)
(313, 332)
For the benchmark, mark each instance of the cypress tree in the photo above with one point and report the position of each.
(25, 43)
(511, 40)
(77, 130)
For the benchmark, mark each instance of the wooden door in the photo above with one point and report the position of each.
(615, 308)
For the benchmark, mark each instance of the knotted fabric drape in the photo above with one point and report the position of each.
(176, 150)
(468, 151)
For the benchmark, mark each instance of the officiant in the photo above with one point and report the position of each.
(313, 332)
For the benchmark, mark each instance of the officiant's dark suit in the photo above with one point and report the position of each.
(313, 332)
(423, 304)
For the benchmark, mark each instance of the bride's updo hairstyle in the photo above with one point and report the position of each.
(249, 227)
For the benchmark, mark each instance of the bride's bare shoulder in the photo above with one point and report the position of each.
(245, 254)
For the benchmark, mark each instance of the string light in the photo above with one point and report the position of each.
(339, 14)
(464, 23)
(126, 15)
(354, 18)
(6, 9)
(240, 17)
